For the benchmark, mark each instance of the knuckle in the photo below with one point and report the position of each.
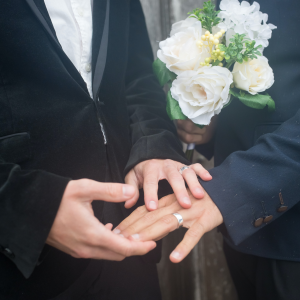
(83, 186)
(198, 167)
(167, 220)
(203, 130)
(190, 127)
(151, 163)
(150, 181)
(195, 231)
(130, 230)
(184, 246)
(176, 177)
(150, 217)
(169, 161)
(127, 251)
(111, 191)
(189, 138)
(189, 172)
(168, 164)
(141, 210)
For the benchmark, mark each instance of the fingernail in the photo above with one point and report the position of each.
(199, 191)
(152, 205)
(128, 190)
(186, 200)
(117, 231)
(136, 236)
(175, 254)
(208, 175)
(154, 246)
(121, 235)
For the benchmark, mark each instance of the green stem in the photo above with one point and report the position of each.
(229, 64)
(189, 155)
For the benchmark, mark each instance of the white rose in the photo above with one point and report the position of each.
(202, 94)
(180, 52)
(254, 76)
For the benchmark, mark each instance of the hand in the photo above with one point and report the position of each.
(142, 225)
(76, 231)
(148, 173)
(190, 133)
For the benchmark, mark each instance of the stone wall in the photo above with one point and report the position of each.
(203, 275)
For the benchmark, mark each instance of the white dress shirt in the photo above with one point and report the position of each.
(73, 23)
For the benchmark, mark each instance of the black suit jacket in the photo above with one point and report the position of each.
(257, 153)
(51, 131)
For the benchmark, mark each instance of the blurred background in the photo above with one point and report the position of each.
(203, 275)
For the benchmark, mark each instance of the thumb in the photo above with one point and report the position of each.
(132, 180)
(111, 192)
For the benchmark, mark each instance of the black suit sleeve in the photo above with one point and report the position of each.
(153, 134)
(247, 185)
(29, 201)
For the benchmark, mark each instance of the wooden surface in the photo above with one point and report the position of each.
(203, 275)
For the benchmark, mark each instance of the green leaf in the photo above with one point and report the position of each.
(163, 74)
(258, 101)
(173, 109)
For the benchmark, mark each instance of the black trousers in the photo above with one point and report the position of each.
(131, 279)
(258, 278)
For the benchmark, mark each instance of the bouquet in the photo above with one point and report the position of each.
(214, 56)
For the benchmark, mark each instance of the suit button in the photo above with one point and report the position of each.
(268, 219)
(258, 222)
(8, 253)
(282, 208)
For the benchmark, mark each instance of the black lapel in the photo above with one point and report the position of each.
(43, 10)
(101, 12)
(40, 11)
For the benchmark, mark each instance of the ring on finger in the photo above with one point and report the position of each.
(179, 219)
(181, 170)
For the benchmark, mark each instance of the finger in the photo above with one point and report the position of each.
(151, 178)
(201, 172)
(189, 138)
(149, 219)
(162, 227)
(125, 247)
(178, 185)
(141, 211)
(191, 179)
(132, 180)
(189, 127)
(109, 226)
(134, 217)
(191, 238)
(111, 192)
(103, 253)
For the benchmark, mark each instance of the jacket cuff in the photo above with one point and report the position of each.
(159, 146)
(27, 239)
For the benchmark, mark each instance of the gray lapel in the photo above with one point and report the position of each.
(102, 56)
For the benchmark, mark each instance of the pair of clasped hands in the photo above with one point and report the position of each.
(79, 233)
